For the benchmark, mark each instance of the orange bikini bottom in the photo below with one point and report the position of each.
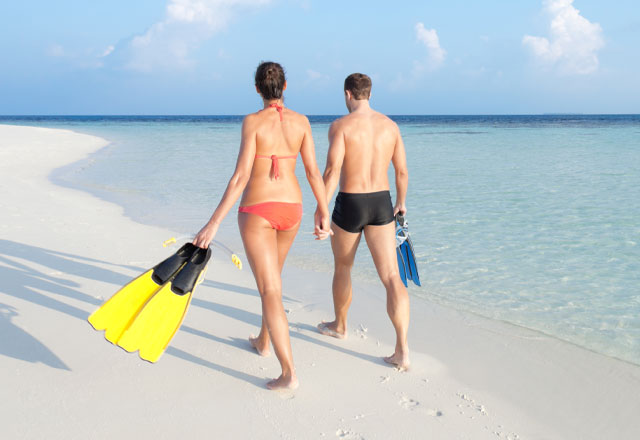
(281, 215)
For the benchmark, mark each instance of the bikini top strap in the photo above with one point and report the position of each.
(275, 168)
(279, 108)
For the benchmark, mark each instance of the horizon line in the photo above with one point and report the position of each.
(310, 114)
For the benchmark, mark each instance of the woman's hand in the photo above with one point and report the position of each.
(322, 229)
(400, 208)
(205, 236)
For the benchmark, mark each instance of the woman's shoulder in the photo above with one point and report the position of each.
(297, 117)
(291, 117)
(251, 119)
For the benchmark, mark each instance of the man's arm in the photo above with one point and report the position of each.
(399, 160)
(335, 158)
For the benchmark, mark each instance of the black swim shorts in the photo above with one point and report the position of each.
(353, 211)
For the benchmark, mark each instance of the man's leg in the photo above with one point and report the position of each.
(344, 245)
(382, 244)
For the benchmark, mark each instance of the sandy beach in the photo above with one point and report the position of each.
(63, 252)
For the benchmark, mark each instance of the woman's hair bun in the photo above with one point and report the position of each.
(270, 79)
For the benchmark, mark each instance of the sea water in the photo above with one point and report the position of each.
(533, 220)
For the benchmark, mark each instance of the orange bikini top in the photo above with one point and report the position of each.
(275, 169)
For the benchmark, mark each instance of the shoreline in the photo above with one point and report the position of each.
(471, 377)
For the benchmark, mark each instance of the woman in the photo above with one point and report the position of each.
(271, 206)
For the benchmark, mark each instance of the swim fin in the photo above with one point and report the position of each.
(160, 318)
(401, 266)
(404, 249)
(120, 310)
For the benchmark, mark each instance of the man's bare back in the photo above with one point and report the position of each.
(369, 140)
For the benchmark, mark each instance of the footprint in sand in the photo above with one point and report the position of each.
(435, 413)
(348, 434)
(413, 405)
(473, 404)
(361, 331)
(408, 404)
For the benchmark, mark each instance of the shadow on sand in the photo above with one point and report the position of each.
(46, 284)
(18, 344)
(40, 276)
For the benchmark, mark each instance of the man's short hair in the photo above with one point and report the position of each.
(359, 85)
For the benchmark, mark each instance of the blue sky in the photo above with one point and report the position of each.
(425, 57)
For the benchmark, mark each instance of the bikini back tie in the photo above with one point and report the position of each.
(275, 168)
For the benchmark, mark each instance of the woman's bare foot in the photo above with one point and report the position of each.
(261, 347)
(399, 359)
(283, 383)
(330, 329)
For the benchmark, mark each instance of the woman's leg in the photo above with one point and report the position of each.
(285, 240)
(266, 249)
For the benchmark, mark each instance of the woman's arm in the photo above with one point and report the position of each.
(236, 184)
(308, 155)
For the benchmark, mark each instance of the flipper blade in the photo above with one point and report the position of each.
(412, 262)
(401, 266)
(120, 310)
(156, 324)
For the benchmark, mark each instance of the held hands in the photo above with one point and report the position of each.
(322, 229)
(399, 208)
(205, 236)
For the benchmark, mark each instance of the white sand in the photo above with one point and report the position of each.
(63, 252)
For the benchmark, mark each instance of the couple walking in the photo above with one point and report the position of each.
(362, 145)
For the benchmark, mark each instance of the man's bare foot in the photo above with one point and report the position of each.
(329, 329)
(283, 383)
(262, 349)
(400, 360)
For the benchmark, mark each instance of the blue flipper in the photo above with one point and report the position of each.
(406, 256)
(401, 267)
(411, 261)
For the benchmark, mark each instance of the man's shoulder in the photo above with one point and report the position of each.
(339, 124)
(341, 120)
(384, 118)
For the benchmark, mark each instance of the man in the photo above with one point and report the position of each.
(361, 146)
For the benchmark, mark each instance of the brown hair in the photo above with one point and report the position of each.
(270, 80)
(359, 85)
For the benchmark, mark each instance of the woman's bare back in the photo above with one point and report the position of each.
(274, 137)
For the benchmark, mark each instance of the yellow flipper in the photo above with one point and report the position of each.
(156, 324)
(121, 309)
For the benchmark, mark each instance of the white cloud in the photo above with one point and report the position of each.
(312, 75)
(434, 60)
(168, 44)
(56, 50)
(435, 53)
(84, 59)
(573, 42)
(107, 51)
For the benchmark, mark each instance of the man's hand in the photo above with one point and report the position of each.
(399, 208)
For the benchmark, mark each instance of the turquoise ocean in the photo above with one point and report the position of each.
(532, 220)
